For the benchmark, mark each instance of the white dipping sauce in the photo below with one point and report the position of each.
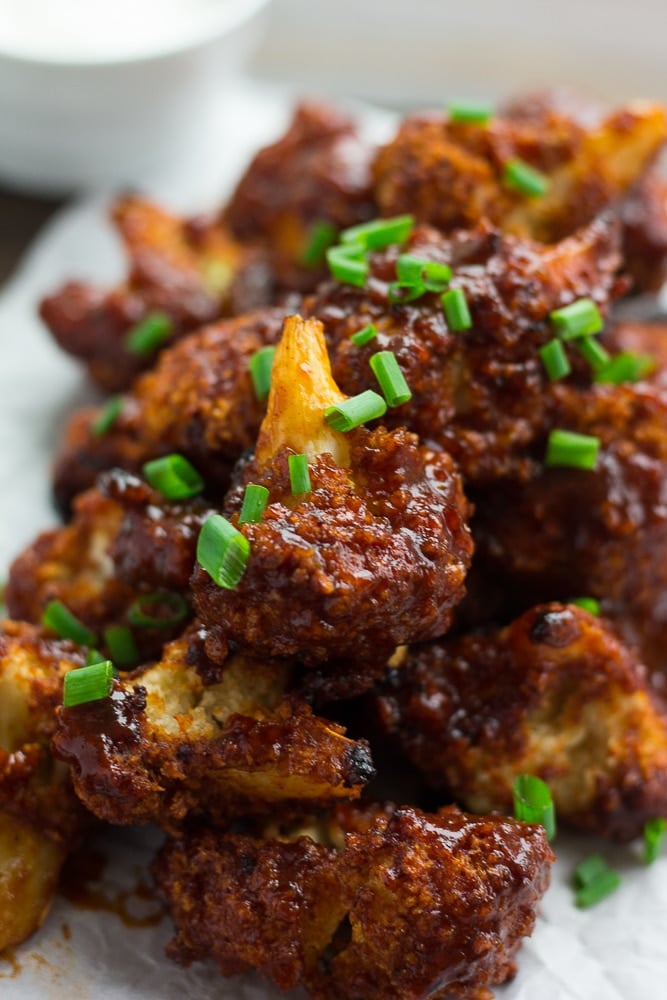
(98, 30)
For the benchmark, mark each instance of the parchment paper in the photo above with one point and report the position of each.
(614, 951)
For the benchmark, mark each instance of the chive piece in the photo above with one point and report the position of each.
(355, 411)
(392, 381)
(654, 834)
(260, 366)
(91, 683)
(299, 474)
(625, 367)
(379, 233)
(409, 268)
(555, 360)
(222, 551)
(322, 235)
(577, 451)
(61, 621)
(107, 416)
(533, 802)
(121, 645)
(348, 265)
(94, 656)
(400, 292)
(579, 319)
(593, 352)
(456, 309)
(587, 603)
(363, 336)
(594, 880)
(174, 477)
(254, 504)
(171, 610)
(145, 337)
(470, 112)
(413, 270)
(521, 177)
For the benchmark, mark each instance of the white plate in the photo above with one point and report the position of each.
(615, 951)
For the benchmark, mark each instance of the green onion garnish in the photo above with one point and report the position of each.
(254, 504)
(348, 264)
(355, 411)
(555, 360)
(392, 381)
(260, 366)
(455, 305)
(61, 621)
(413, 270)
(533, 802)
(174, 477)
(579, 319)
(153, 330)
(587, 603)
(363, 336)
(298, 474)
(91, 683)
(525, 179)
(322, 235)
(593, 352)
(121, 645)
(625, 367)
(161, 609)
(400, 292)
(379, 233)
(654, 834)
(469, 112)
(94, 656)
(566, 448)
(594, 880)
(107, 416)
(222, 551)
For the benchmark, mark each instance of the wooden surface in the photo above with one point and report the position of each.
(21, 218)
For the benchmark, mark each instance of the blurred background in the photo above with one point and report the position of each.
(92, 95)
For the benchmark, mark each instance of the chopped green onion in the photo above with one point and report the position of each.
(594, 880)
(400, 292)
(456, 309)
(588, 604)
(174, 477)
(94, 656)
(533, 802)
(260, 366)
(254, 504)
(348, 264)
(625, 367)
(555, 360)
(91, 683)
(525, 179)
(579, 319)
(379, 232)
(566, 448)
(107, 416)
(363, 336)
(172, 609)
(61, 621)
(593, 352)
(355, 411)
(392, 381)
(469, 112)
(322, 235)
(222, 551)
(413, 270)
(654, 834)
(121, 645)
(153, 330)
(298, 474)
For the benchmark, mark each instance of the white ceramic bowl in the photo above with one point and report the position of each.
(102, 113)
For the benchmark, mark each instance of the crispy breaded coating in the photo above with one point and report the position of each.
(451, 174)
(567, 532)
(41, 820)
(413, 905)
(372, 556)
(187, 269)
(555, 694)
(177, 740)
